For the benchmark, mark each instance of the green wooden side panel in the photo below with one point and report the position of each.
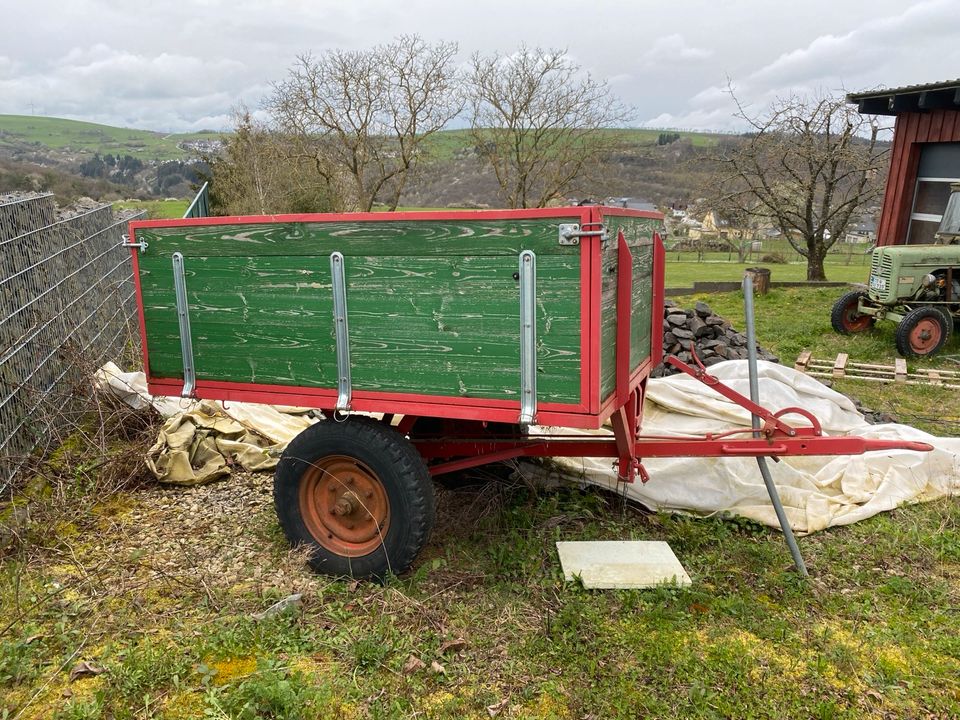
(638, 233)
(259, 320)
(642, 298)
(608, 316)
(422, 319)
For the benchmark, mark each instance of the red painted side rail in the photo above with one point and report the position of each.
(574, 212)
(441, 406)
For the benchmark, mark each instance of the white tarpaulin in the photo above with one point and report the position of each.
(817, 492)
(200, 440)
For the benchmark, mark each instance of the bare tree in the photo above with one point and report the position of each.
(362, 117)
(259, 174)
(539, 122)
(809, 165)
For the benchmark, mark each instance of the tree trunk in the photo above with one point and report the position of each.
(815, 256)
(398, 191)
(742, 249)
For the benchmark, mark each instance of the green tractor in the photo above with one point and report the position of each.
(916, 286)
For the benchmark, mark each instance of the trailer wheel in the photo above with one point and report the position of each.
(922, 332)
(357, 494)
(846, 318)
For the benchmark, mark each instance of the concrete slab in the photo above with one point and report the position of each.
(621, 564)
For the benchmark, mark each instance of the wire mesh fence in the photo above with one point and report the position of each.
(66, 305)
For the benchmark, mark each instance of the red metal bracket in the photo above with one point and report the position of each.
(627, 446)
(406, 424)
(771, 421)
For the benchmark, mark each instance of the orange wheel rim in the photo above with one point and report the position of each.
(344, 505)
(925, 336)
(853, 320)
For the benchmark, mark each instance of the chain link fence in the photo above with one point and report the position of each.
(66, 305)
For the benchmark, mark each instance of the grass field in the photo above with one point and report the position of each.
(649, 136)
(157, 588)
(791, 320)
(84, 137)
(685, 273)
(168, 208)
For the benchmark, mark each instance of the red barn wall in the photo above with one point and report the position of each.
(910, 130)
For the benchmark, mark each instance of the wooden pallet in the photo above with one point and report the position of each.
(842, 367)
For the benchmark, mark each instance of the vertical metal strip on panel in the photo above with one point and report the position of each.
(183, 315)
(342, 331)
(528, 337)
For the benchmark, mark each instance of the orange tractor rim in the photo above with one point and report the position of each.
(344, 505)
(925, 335)
(853, 319)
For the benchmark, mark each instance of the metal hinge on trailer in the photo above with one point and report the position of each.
(570, 233)
(141, 245)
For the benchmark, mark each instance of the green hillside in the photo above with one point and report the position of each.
(17, 131)
(444, 145)
(74, 136)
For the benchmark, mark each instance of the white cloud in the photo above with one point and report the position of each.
(8, 68)
(671, 48)
(914, 45)
(179, 66)
(161, 91)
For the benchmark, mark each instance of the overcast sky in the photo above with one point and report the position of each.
(183, 66)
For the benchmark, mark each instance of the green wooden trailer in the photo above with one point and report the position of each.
(451, 325)
(432, 342)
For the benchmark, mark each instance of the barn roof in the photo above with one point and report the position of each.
(943, 95)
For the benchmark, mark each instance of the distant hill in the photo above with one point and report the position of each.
(661, 166)
(449, 143)
(75, 136)
(24, 133)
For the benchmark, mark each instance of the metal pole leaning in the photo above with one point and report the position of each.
(755, 420)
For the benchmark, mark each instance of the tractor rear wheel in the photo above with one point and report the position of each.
(922, 332)
(358, 495)
(846, 317)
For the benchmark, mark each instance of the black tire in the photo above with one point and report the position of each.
(923, 331)
(845, 318)
(310, 487)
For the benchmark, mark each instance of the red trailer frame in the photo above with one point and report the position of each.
(468, 436)
(358, 494)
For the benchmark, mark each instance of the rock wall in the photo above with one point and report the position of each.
(711, 337)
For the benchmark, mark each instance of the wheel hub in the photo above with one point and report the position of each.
(854, 320)
(344, 505)
(925, 335)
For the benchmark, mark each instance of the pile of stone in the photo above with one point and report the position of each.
(712, 337)
(873, 417)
